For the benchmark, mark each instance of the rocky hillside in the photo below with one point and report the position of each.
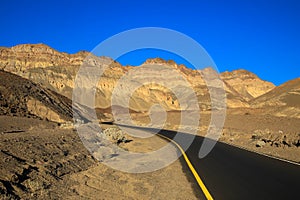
(284, 100)
(247, 84)
(57, 71)
(22, 97)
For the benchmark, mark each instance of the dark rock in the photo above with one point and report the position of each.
(14, 178)
(260, 143)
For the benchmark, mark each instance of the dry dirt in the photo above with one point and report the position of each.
(40, 160)
(247, 128)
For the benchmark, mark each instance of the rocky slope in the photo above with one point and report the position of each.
(57, 71)
(247, 84)
(22, 97)
(283, 101)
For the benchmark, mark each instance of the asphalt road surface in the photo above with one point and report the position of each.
(232, 173)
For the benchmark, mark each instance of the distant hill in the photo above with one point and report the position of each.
(247, 84)
(283, 100)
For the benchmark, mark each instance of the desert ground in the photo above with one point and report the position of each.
(42, 160)
(248, 128)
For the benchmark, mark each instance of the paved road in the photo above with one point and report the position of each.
(232, 173)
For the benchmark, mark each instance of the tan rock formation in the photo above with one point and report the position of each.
(57, 71)
(37, 108)
(247, 84)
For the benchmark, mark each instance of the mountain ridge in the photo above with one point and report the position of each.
(57, 71)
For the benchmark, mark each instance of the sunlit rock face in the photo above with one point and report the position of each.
(57, 71)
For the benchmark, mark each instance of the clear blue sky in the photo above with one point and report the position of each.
(262, 36)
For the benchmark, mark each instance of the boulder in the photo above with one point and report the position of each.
(115, 135)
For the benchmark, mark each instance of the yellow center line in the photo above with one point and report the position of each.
(198, 179)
